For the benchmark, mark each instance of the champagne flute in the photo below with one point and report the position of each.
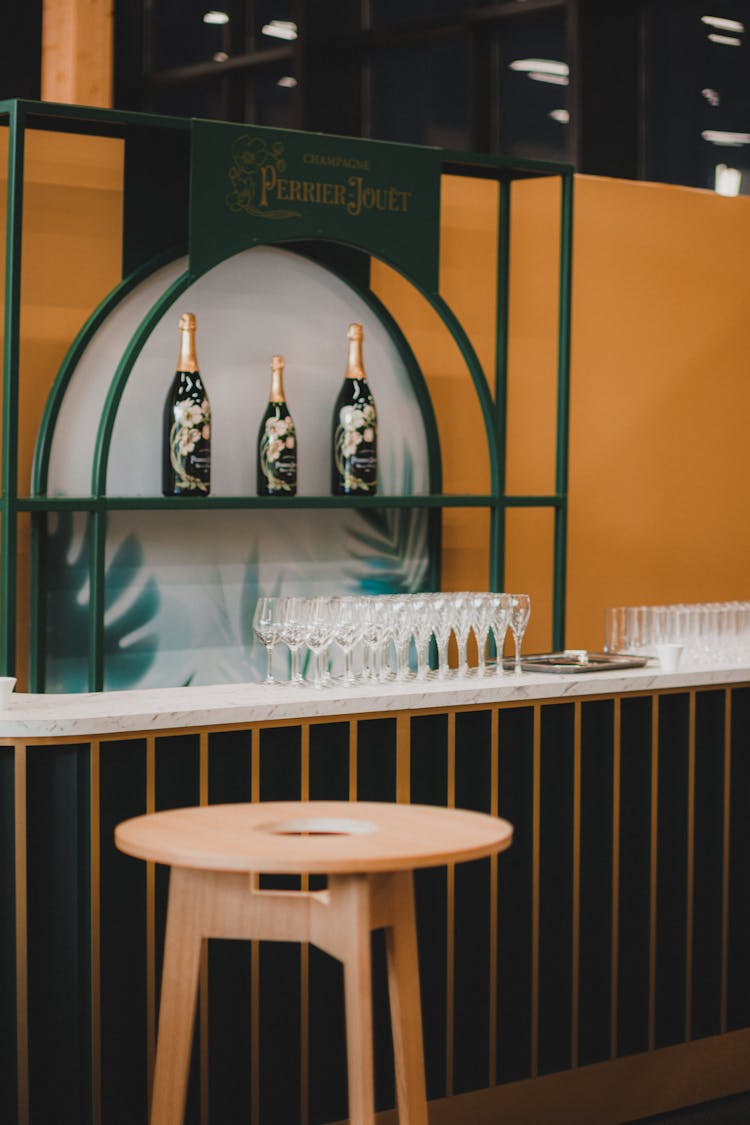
(318, 632)
(499, 614)
(267, 626)
(292, 632)
(461, 617)
(348, 628)
(518, 617)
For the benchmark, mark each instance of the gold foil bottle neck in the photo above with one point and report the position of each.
(277, 379)
(187, 359)
(354, 366)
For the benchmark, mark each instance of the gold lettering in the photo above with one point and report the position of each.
(354, 206)
(281, 189)
(309, 191)
(295, 191)
(268, 179)
(340, 195)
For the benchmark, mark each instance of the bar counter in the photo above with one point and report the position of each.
(595, 973)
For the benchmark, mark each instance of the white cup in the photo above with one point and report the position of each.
(7, 683)
(669, 656)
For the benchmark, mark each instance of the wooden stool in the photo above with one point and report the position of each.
(368, 851)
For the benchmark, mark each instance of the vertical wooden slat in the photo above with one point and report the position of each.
(615, 878)
(450, 916)
(77, 52)
(725, 857)
(494, 805)
(96, 963)
(535, 889)
(203, 979)
(304, 982)
(576, 920)
(150, 923)
(22, 978)
(654, 873)
(690, 872)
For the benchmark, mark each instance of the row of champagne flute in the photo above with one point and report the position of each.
(389, 624)
(710, 632)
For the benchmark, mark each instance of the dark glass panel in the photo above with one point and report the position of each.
(419, 94)
(533, 98)
(180, 36)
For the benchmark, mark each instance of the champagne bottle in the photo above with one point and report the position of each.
(277, 441)
(355, 428)
(186, 468)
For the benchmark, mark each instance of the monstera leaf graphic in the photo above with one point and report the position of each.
(129, 648)
(392, 546)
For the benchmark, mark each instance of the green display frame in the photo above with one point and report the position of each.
(149, 240)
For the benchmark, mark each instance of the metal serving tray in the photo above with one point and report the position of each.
(573, 661)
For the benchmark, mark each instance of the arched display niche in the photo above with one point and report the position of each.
(127, 627)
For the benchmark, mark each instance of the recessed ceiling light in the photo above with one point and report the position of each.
(722, 24)
(541, 66)
(553, 79)
(280, 29)
(288, 81)
(216, 17)
(720, 137)
(220, 56)
(727, 40)
(561, 115)
(711, 96)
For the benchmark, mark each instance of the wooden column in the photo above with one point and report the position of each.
(77, 52)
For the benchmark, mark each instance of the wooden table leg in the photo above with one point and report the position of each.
(350, 906)
(406, 1011)
(179, 988)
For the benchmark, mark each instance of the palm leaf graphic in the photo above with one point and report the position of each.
(129, 646)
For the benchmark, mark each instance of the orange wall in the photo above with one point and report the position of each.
(660, 392)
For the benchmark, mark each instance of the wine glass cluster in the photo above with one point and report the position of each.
(709, 632)
(379, 634)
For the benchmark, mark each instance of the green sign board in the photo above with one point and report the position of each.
(251, 184)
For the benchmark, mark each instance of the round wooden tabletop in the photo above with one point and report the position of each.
(316, 837)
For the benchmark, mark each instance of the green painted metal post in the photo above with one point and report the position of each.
(498, 513)
(8, 561)
(563, 412)
(97, 533)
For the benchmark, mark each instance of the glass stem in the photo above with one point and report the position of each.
(442, 660)
(517, 643)
(296, 674)
(269, 671)
(348, 677)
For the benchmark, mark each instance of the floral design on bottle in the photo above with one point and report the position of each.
(354, 447)
(278, 454)
(188, 442)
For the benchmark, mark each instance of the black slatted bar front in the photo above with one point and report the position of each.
(8, 1052)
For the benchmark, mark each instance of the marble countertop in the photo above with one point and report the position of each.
(157, 709)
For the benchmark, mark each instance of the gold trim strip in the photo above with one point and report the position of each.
(616, 797)
(576, 936)
(535, 887)
(96, 933)
(690, 874)
(726, 856)
(353, 750)
(403, 758)
(304, 953)
(255, 957)
(22, 934)
(450, 917)
(494, 806)
(203, 983)
(654, 873)
(150, 923)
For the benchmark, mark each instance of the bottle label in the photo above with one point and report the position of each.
(278, 455)
(189, 449)
(355, 448)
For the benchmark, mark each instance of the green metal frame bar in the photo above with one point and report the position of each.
(497, 517)
(14, 222)
(563, 411)
(150, 503)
